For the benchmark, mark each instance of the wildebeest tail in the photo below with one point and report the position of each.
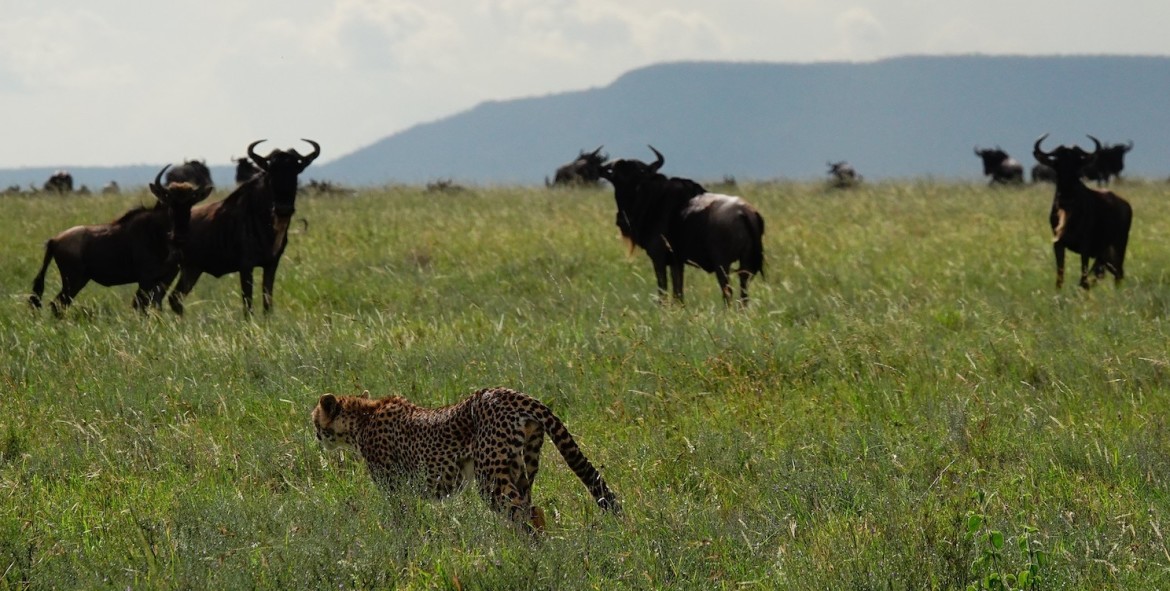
(578, 462)
(754, 261)
(38, 286)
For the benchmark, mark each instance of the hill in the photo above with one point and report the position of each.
(902, 117)
(894, 118)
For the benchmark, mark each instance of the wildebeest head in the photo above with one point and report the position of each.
(625, 176)
(843, 173)
(1000, 167)
(245, 170)
(60, 182)
(194, 172)
(282, 167)
(584, 170)
(179, 197)
(1066, 161)
(1108, 162)
(992, 159)
(588, 164)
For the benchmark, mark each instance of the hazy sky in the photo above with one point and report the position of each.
(107, 82)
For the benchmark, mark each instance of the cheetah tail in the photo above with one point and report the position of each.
(579, 463)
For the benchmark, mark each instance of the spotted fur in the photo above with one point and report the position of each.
(494, 435)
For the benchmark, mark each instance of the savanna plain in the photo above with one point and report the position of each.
(908, 401)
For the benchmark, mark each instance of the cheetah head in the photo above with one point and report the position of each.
(333, 422)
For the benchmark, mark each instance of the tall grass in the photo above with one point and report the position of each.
(905, 365)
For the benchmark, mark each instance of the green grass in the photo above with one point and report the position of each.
(906, 364)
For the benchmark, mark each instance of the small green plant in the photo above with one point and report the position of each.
(998, 574)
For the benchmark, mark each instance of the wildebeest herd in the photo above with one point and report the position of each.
(150, 247)
(1104, 163)
(675, 220)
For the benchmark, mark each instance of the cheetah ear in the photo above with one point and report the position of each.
(330, 405)
(365, 394)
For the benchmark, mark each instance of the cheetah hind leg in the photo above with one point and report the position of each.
(499, 489)
(533, 439)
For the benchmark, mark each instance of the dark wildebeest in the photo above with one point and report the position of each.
(247, 229)
(194, 172)
(111, 188)
(1002, 169)
(245, 170)
(676, 221)
(143, 246)
(1108, 161)
(1091, 222)
(842, 175)
(585, 170)
(60, 182)
(1042, 173)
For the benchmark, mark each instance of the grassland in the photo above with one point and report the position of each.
(906, 383)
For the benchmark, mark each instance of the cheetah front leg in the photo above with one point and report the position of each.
(445, 480)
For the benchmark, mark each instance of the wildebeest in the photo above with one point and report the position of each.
(842, 175)
(584, 170)
(245, 170)
(676, 221)
(191, 171)
(142, 246)
(325, 187)
(1092, 222)
(247, 229)
(59, 182)
(111, 188)
(1002, 169)
(1107, 161)
(1042, 173)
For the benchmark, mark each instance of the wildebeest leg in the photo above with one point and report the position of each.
(160, 290)
(660, 275)
(246, 289)
(1058, 250)
(186, 283)
(1113, 263)
(724, 284)
(269, 281)
(744, 277)
(676, 279)
(69, 289)
(143, 296)
(39, 282)
(1085, 271)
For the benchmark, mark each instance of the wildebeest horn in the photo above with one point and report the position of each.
(260, 161)
(1040, 154)
(158, 190)
(305, 160)
(1096, 142)
(1129, 145)
(658, 162)
(598, 150)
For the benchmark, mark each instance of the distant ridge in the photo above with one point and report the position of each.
(917, 116)
(900, 117)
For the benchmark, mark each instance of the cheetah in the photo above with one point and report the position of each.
(494, 435)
